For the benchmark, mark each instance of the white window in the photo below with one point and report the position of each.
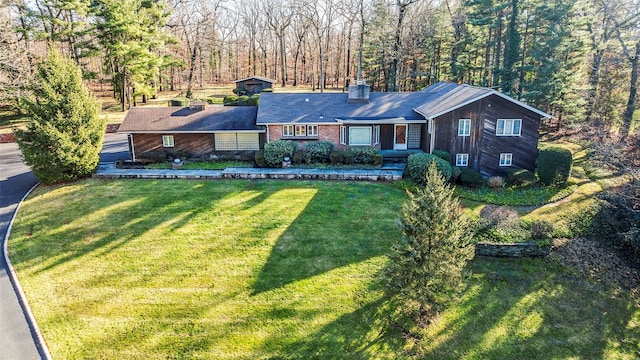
(301, 130)
(360, 135)
(343, 135)
(167, 141)
(464, 127)
(462, 159)
(505, 159)
(287, 130)
(312, 130)
(376, 135)
(508, 127)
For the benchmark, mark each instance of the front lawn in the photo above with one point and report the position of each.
(272, 269)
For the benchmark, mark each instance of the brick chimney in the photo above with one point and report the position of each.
(359, 93)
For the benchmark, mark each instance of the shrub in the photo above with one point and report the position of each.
(319, 151)
(152, 156)
(276, 151)
(254, 100)
(363, 154)
(348, 158)
(179, 102)
(267, 90)
(554, 165)
(231, 100)
(495, 213)
(508, 231)
(298, 156)
(455, 173)
(378, 159)
(259, 158)
(239, 91)
(214, 100)
(417, 165)
(520, 177)
(337, 157)
(442, 154)
(541, 230)
(470, 177)
(243, 100)
(495, 182)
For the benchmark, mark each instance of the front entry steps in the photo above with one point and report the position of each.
(397, 156)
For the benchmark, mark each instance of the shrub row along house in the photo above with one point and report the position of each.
(481, 128)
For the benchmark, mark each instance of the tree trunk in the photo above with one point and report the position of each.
(594, 80)
(633, 90)
(192, 67)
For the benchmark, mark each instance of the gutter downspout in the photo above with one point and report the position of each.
(133, 149)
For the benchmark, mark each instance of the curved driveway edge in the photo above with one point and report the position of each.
(41, 345)
(19, 338)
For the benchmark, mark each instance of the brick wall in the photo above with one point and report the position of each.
(325, 132)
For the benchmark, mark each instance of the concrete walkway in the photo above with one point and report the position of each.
(389, 172)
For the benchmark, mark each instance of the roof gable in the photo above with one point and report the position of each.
(445, 97)
(256, 78)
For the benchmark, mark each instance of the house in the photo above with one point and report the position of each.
(480, 127)
(196, 130)
(253, 85)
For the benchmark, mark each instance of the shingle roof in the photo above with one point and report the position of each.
(185, 120)
(444, 97)
(279, 108)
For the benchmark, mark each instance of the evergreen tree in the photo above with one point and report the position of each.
(64, 139)
(427, 267)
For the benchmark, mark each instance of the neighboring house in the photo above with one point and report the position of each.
(253, 85)
(197, 130)
(481, 128)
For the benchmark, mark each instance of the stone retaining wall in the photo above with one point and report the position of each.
(519, 250)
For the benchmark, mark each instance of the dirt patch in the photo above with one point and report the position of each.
(600, 262)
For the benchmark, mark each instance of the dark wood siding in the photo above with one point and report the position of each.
(483, 146)
(194, 144)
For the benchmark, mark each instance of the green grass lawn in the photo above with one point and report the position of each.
(268, 269)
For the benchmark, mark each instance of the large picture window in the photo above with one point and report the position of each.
(360, 136)
(464, 127)
(508, 127)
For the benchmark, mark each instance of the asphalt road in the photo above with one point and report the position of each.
(17, 338)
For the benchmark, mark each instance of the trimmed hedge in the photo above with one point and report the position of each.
(259, 158)
(520, 177)
(418, 164)
(276, 151)
(554, 165)
(231, 100)
(319, 151)
(267, 90)
(179, 102)
(363, 154)
(470, 177)
(254, 100)
(243, 100)
(442, 154)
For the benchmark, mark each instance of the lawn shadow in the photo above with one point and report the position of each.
(520, 309)
(341, 225)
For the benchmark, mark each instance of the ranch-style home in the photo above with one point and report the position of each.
(480, 127)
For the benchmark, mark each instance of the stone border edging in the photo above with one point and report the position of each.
(515, 250)
(40, 343)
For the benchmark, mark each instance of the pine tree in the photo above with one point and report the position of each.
(427, 267)
(64, 139)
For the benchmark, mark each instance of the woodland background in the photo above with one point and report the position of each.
(577, 60)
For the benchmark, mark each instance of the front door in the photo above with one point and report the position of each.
(400, 142)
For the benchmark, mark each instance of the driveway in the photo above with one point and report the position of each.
(16, 336)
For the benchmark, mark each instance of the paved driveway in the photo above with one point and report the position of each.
(16, 337)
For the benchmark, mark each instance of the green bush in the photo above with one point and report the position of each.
(520, 177)
(541, 230)
(554, 165)
(378, 159)
(243, 100)
(179, 102)
(508, 231)
(363, 154)
(298, 156)
(254, 100)
(470, 177)
(231, 100)
(455, 173)
(276, 151)
(348, 158)
(267, 90)
(214, 100)
(442, 154)
(418, 164)
(240, 91)
(259, 158)
(337, 157)
(319, 151)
